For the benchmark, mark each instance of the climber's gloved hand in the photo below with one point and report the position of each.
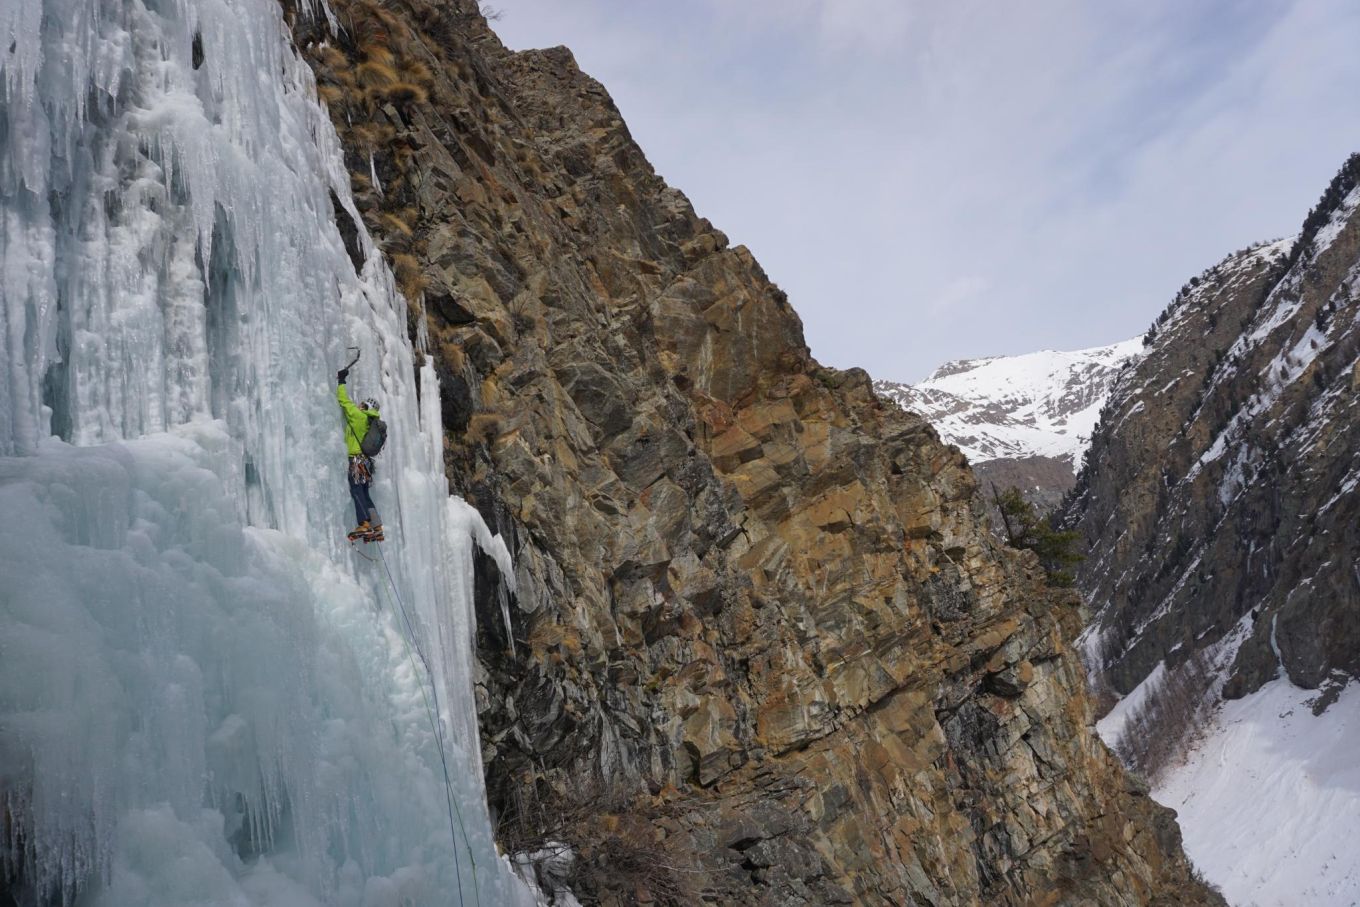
(341, 375)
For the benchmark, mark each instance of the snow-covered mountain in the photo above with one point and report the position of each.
(1042, 404)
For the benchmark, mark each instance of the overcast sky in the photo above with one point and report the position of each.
(940, 180)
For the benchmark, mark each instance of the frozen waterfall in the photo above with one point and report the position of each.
(205, 696)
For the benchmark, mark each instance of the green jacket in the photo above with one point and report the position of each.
(356, 422)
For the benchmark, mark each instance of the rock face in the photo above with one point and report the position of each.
(1044, 481)
(1021, 420)
(1220, 488)
(759, 629)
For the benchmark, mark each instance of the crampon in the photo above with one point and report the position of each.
(366, 533)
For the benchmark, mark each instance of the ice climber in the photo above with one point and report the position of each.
(360, 422)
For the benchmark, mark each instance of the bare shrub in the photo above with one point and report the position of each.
(1161, 727)
(1199, 877)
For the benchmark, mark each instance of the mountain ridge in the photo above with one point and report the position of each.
(1022, 421)
(1043, 403)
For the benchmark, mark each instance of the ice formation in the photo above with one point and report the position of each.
(205, 696)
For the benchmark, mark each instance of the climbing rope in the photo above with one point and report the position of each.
(409, 639)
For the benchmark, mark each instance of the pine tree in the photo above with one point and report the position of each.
(1025, 528)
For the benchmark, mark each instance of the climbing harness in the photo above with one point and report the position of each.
(410, 640)
(361, 470)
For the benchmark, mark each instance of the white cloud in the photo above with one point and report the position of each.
(959, 293)
(836, 25)
(876, 24)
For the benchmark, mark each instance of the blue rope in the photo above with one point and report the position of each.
(437, 725)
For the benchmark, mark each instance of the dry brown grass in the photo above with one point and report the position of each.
(429, 17)
(402, 155)
(405, 265)
(367, 33)
(454, 358)
(410, 275)
(375, 76)
(403, 93)
(371, 136)
(484, 428)
(412, 70)
(380, 54)
(344, 79)
(332, 57)
(396, 222)
(386, 18)
(330, 94)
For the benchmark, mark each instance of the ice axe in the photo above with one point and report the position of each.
(341, 375)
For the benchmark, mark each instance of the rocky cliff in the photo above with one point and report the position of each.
(1219, 495)
(761, 649)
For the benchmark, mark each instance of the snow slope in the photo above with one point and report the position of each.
(1268, 797)
(1269, 800)
(1039, 404)
(205, 696)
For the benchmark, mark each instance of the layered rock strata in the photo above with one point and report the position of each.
(1220, 490)
(758, 626)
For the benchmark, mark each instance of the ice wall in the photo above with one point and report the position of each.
(205, 696)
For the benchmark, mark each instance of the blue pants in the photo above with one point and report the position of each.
(364, 511)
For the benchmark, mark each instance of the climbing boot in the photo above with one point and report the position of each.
(360, 531)
(374, 534)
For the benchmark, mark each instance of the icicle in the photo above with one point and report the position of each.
(373, 176)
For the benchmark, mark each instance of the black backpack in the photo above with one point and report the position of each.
(374, 438)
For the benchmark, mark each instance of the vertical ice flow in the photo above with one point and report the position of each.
(205, 697)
